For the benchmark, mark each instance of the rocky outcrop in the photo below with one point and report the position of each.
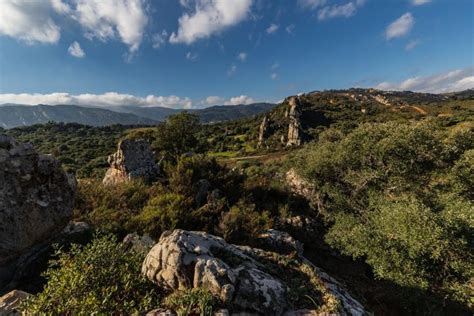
(298, 185)
(183, 259)
(133, 160)
(10, 302)
(245, 279)
(280, 242)
(36, 198)
(263, 132)
(294, 127)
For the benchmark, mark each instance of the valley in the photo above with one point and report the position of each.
(365, 194)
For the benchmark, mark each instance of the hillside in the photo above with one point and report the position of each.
(13, 115)
(23, 115)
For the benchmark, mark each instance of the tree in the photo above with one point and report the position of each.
(177, 135)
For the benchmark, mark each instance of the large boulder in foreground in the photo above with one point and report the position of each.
(36, 198)
(133, 160)
(246, 279)
(184, 259)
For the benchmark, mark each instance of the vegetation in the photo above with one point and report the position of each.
(395, 194)
(100, 278)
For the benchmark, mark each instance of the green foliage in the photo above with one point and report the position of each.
(400, 196)
(102, 277)
(177, 135)
(81, 149)
(191, 302)
(163, 212)
(242, 223)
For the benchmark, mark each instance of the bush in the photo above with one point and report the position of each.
(242, 224)
(191, 302)
(399, 195)
(163, 212)
(102, 277)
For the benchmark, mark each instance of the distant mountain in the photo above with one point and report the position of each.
(13, 115)
(213, 114)
(221, 113)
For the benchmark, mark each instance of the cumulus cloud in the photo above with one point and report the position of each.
(420, 2)
(32, 22)
(272, 28)
(240, 100)
(242, 56)
(29, 21)
(340, 10)
(101, 100)
(107, 19)
(274, 76)
(400, 26)
(456, 80)
(208, 17)
(213, 100)
(76, 50)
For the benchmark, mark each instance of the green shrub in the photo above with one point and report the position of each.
(399, 195)
(191, 302)
(100, 278)
(242, 224)
(163, 212)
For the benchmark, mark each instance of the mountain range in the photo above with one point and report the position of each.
(13, 115)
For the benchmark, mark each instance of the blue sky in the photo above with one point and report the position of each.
(196, 53)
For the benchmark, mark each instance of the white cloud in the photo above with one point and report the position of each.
(159, 40)
(191, 56)
(209, 17)
(456, 80)
(311, 4)
(411, 45)
(400, 26)
(242, 99)
(213, 100)
(28, 21)
(275, 66)
(420, 2)
(107, 19)
(232, 70)
(242, 56)
(272, 28)
(274, 76)
(290, 28)
(340, 10)
(76, 50)
(101, 100)
(31, 20)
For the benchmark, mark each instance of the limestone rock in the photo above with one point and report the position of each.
(11, 301)
(36, 198)
(161, 312)
(298, 185)
(183, 259)
(263, 133)
(132, 160)
(294, 126)
(281, 242)
(139, 243)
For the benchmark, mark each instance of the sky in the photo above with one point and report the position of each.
(198, 53)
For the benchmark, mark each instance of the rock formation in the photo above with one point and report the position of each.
(238, 275)
(183, 259)
(294, 126)
(10, 302)
(298, 185)
(36, 197)
(132, 160)
(262, 136)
